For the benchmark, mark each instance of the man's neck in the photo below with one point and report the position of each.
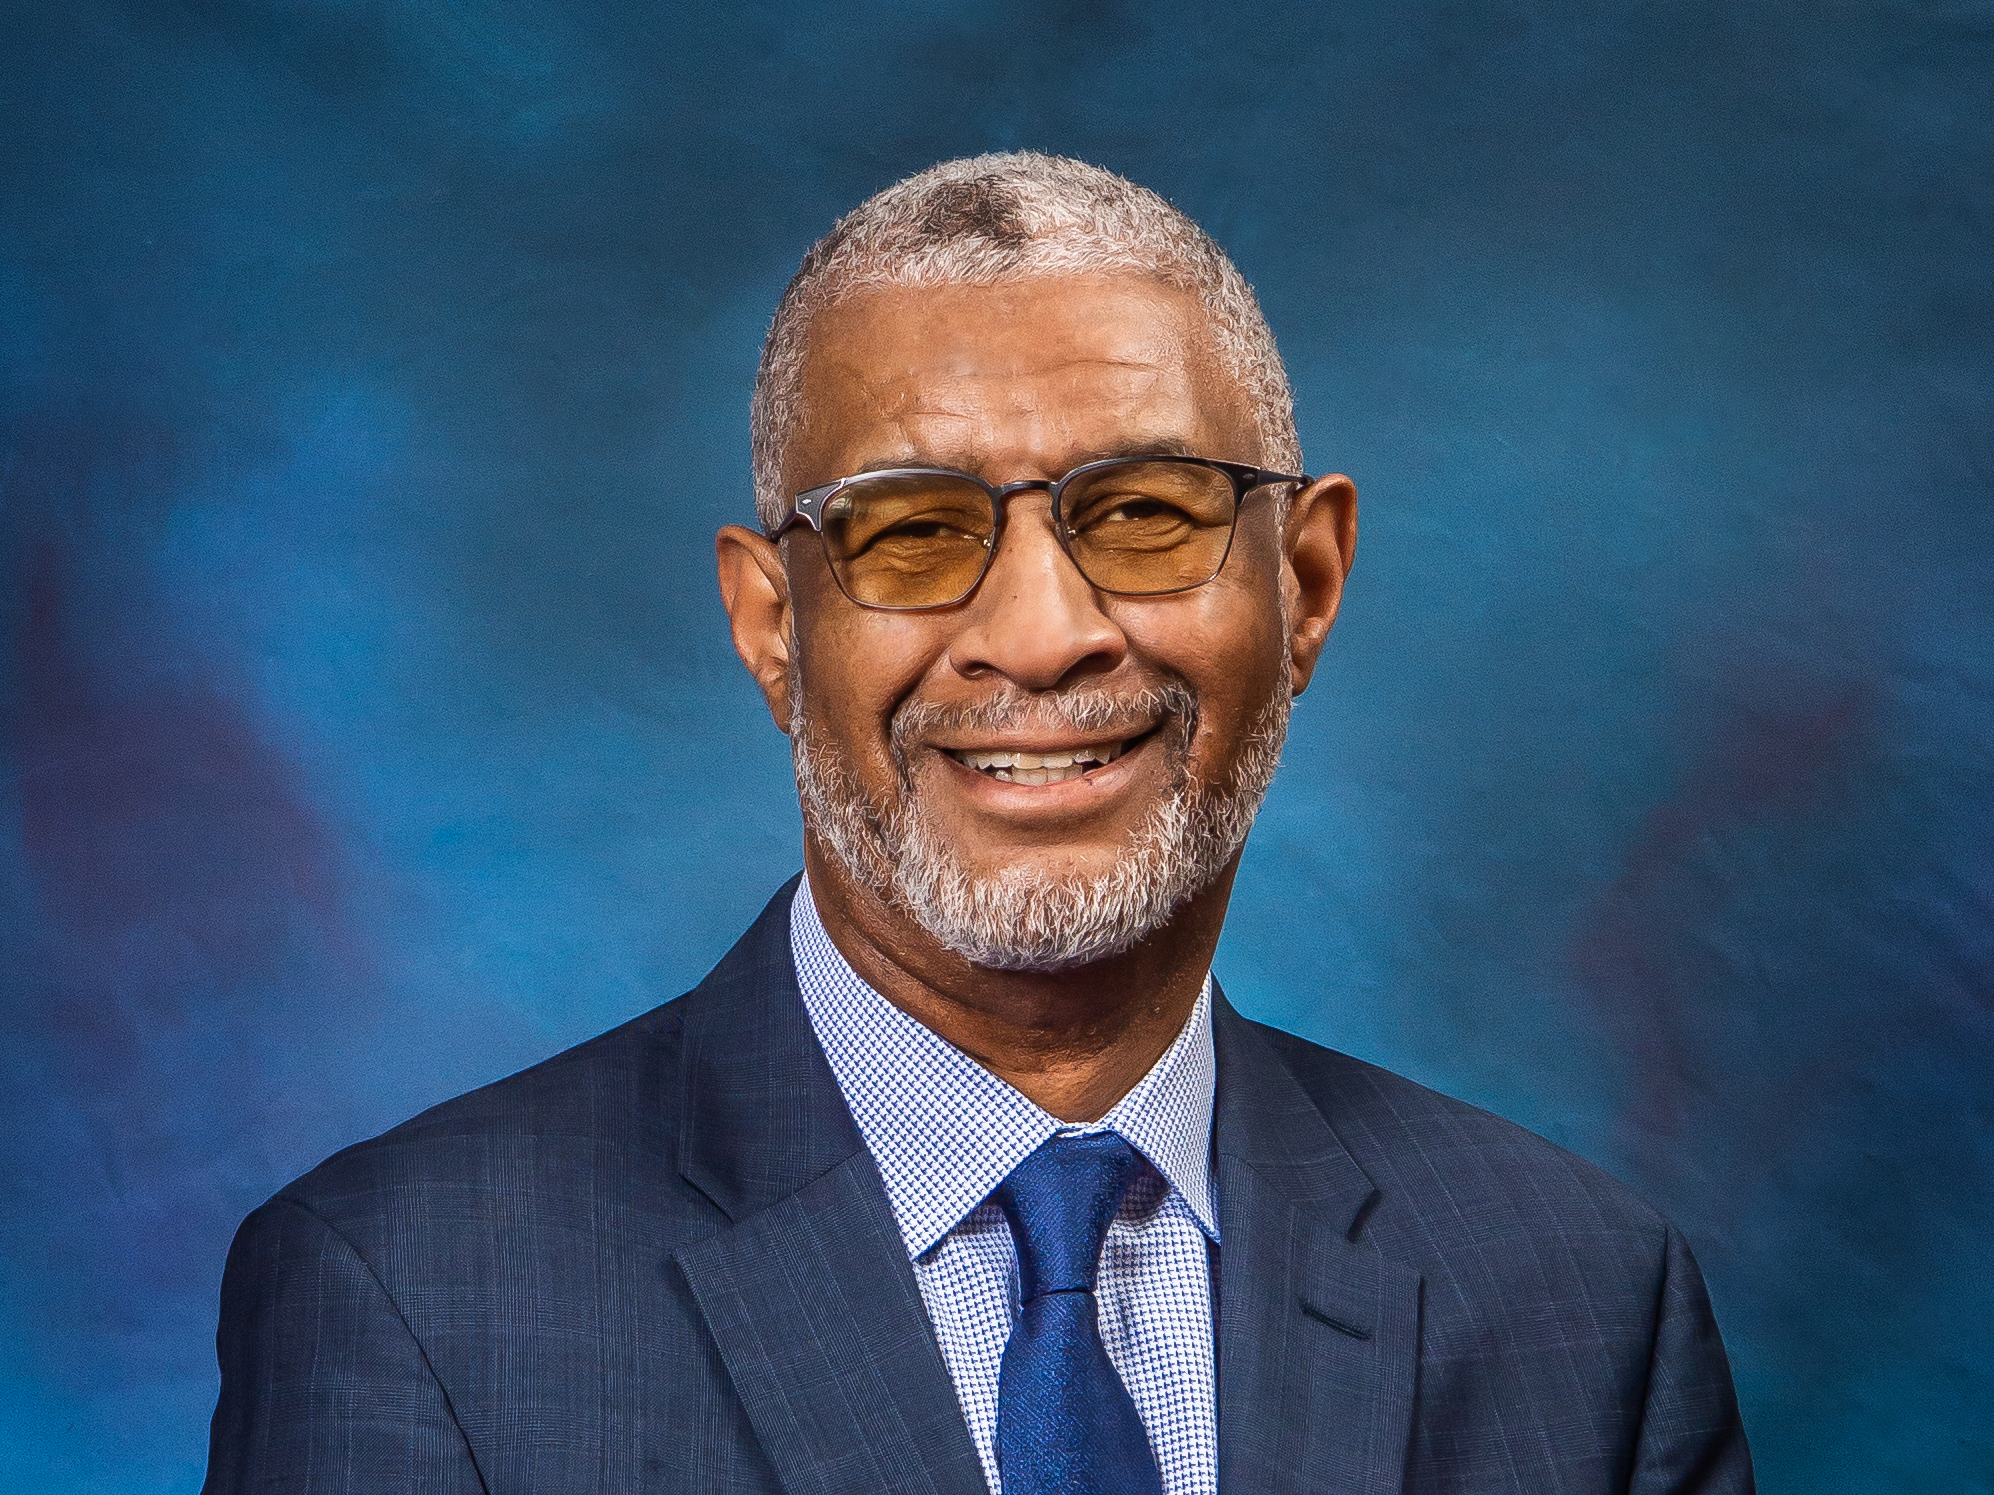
(1073, 1042)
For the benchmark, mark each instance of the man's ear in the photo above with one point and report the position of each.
(1319, 541)
(754, 588)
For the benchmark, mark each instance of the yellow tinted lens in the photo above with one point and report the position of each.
(908, 541)
(1149, 526)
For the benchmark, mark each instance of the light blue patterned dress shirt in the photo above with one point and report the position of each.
(945, 1132)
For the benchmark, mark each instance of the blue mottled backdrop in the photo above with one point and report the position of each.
(375, 375)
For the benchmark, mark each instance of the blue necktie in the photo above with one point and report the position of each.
(1065, 1423)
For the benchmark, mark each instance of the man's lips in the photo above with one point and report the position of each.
(1042, 765)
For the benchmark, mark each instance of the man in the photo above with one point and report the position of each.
(958, 1172)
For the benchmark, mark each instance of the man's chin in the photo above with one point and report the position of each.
(988, 850)
(1026, 922)
(1050, 912)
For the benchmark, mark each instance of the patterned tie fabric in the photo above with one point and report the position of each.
(1066, 1424)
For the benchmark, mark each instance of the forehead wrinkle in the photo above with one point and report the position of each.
(1032, 425)
(1014, 408)
(1035, 436)
(919, 384)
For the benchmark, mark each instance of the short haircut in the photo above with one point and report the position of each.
(987, 220)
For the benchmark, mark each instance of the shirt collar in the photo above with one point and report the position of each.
(945, 1131)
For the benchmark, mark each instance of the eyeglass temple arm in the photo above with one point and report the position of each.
(1261, 477)
(808, 509)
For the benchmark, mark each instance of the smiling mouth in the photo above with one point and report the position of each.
(1041, 768)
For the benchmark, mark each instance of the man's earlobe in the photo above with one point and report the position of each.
(754, 589)
(1320, 539)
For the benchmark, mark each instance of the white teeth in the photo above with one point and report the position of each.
(1041, 768)
(1039, 775)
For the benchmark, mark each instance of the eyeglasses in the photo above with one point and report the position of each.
(907, 538)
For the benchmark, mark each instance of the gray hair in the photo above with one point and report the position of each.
(986, 220)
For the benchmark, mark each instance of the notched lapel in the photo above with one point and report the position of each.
(760, 1114)
(808, 1293)
(815, 1309)
(1318, 1334)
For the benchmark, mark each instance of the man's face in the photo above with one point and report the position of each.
(1171, 708)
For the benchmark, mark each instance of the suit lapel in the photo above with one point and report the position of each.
(808, 1292)
(1318, 1334)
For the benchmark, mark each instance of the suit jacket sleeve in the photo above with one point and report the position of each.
(1692, 1441)
(324, 1388)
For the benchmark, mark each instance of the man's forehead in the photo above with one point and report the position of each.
(946, 387)
(1112, 317)
(1077, 365)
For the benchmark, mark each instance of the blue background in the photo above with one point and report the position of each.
(375, 375)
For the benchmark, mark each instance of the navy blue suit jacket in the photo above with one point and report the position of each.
(664, 1261)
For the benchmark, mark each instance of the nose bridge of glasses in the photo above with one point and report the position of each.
(1025, 485)
(1002, 495)
(1000, 498)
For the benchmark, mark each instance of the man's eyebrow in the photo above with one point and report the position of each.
(971, 462)
(1153, 446)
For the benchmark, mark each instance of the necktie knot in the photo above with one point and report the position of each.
(1060, 1202)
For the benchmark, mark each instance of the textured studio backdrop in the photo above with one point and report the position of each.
(376, 374)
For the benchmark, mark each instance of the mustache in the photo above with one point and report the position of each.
(1080, 708)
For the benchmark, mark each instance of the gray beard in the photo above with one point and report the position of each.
(1025, 919)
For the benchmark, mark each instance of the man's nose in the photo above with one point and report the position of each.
(1035, 619)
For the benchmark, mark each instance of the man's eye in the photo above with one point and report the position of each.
(918, 535)
(1135, 509)
(1142, 508)
(921, 529)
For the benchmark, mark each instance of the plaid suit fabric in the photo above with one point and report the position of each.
(665, 1261)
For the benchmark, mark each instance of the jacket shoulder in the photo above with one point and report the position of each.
(602, 1104)
(591, 1134)
(1455, 1162)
